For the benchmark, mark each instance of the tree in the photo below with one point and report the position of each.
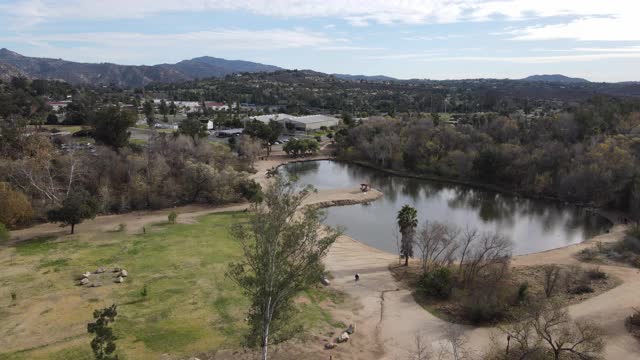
(282, 256)
(163, 109)
(193, 128)
(268, 133)
(249, 149)
(52, 119)
(547, 331)
(173, 109)
(252, 191)
(103, 344)
(4, 233)
(407, 222)
(347, 118)
(15, 208)
(111, 126)
(149, 112)
(77, 207)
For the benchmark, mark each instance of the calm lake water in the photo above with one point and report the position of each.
(532, 225)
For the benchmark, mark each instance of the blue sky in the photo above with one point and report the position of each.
(437, 39)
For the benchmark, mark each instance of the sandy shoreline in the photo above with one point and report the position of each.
(388, 317)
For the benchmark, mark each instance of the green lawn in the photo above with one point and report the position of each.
(69, 128)
(190, 306)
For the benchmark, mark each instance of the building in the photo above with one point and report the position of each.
(217, 106)
(229, 132)
(311, 122)
(302, 123)
(57, 105)
(269, 117)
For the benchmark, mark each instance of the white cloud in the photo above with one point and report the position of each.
(132, 47)
(624, 27)
(431, 38)
(358, 12)
(224, 38)
(551, 59)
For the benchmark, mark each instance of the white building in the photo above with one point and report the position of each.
(312, 122)
(269, 117)
(303, 123)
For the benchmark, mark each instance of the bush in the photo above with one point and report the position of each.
(252, 191)
(628, 244)
(437, 283)
(596, 274)
(588, 254)
(122, 227)
(4, 233)
(480, 311)
(173, 217)
(632, 323)
(523, 292)
(581, 289)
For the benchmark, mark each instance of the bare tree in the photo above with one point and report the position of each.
(553, 325)
(437, 244)
(486, 250)
(456, 342)
(551, 279)
(547, 331)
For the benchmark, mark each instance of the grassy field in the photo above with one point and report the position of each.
(69, 128)
(190, 305)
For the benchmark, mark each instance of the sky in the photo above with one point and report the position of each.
(435, 39)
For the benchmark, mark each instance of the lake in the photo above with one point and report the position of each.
(533, 225)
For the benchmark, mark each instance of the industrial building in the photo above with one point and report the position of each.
(301, 123)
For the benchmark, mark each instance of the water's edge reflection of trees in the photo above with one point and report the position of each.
(503, 210)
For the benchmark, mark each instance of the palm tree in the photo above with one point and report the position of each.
(407, 222)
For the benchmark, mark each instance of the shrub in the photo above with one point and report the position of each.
(16, 207)
(588, 254)
(629, 243)
(4, 233)
(144, 291)
(172, 217)
(122, 227)
(252, 191)
(581, 289)
(632, 323)
(596, 274)
(488, 299)
(523, 292)
(483, 312)
(437, 283)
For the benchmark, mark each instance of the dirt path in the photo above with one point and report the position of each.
(390, 317)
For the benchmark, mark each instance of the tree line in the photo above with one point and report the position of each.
(589, 154)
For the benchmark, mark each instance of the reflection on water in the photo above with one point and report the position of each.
(533, 225)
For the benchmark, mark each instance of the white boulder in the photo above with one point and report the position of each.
(344, 337)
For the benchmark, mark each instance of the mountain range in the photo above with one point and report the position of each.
(13, 64)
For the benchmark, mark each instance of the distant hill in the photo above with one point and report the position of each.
(555, 78)
(7, 71)
(12, 64)
(364, 77)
